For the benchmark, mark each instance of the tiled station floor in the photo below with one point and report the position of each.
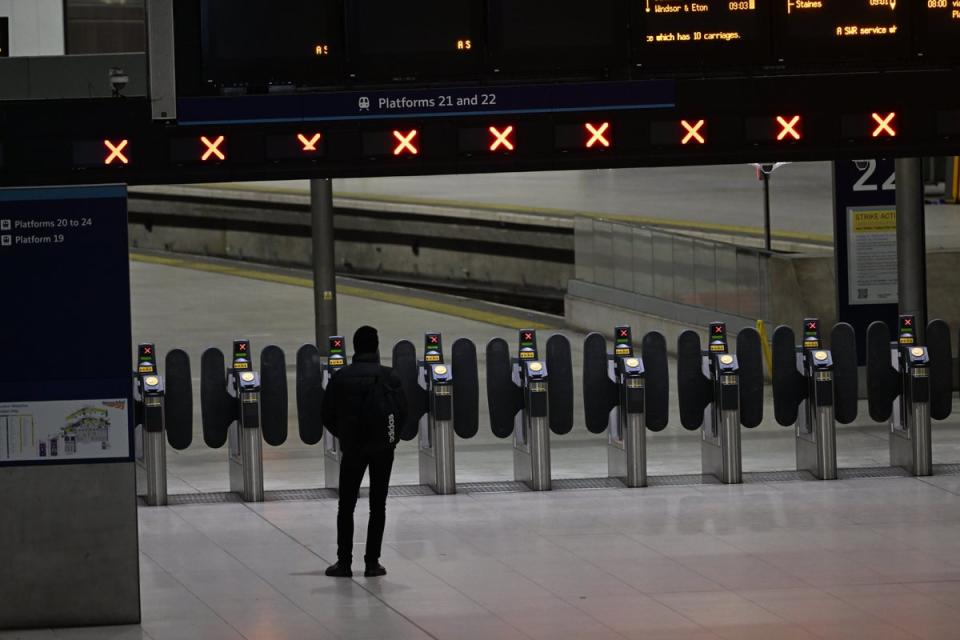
(875, 558)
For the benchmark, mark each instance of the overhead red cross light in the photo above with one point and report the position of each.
(116, 152)
(213, 148)
(789, 128)
(501, 138)
(884, 125)
(406, 144)
(309, 144)
(598, 134)
(693, 132)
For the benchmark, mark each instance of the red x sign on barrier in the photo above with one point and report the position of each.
(213, 148)
(406, 144)
(884, 125)
(693, 132)
(116, 152)
(309, 144)
(501, 138)
(789, 128)
(598, 134)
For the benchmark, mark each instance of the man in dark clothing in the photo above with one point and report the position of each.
(362, 446)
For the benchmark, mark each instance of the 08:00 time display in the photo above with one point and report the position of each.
(936, 4)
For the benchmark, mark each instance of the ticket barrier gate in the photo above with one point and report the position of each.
(719, 391)
(528, 398)
(625, 395)
(442, 401)
(813, 389)
(313, 376)
(241, 406)
(907, 385)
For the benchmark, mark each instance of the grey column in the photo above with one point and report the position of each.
(324, 262)
(912, 242)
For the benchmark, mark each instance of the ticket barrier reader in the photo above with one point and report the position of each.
(241, 406)
(719, 391)
(442, 401)
(813, 389)
(313, 376)
(625, 395)
(528, 398)
(908, 384)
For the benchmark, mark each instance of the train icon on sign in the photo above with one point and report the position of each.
(364, 104)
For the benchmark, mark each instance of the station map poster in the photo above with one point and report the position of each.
(865, 233)
(65, 334)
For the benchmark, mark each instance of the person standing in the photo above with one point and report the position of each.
(364, 407)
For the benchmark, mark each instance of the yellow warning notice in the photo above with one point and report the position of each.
(874, 221)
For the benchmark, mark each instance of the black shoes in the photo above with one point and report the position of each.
(339, 570)
(374, 570)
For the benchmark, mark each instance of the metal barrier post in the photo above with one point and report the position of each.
(531, 443)
(816, 434)
(910, 433)
(150, 436)
(245, 440)
(720, 453)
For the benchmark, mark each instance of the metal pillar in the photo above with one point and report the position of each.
(767, 239)
(324, 262)
(912, 243)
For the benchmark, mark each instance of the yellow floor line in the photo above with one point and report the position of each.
(691, 225)
(415, 302)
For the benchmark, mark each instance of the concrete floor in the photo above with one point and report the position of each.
(801, 195)
(864, 558)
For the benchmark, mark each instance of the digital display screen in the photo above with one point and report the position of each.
(677, 33)
(336, 346)
(272, 41)
(418, 39)
(906, 325)
(938, 28)
(146, 359)
(571, 35)
(718, 337)
(623, 337)
(840, 30)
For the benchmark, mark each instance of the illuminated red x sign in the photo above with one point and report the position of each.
(884, 125)
(116, 152)
(908, 322)
(501, 138)
(405, 141)
(527, 336)
(147, 351)
(790, 128)
(213, 148)
(717, 329)
(309, 144)
(624, 333)
(693, 132)
(338, 343)
(811, 326)
(242, 346)
(598, 134)
(434, 339)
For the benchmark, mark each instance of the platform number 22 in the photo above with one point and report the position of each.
(868, 168)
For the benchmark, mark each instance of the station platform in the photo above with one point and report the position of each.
(721, 199)
(873, 554)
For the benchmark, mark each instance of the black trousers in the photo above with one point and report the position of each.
(352, 467)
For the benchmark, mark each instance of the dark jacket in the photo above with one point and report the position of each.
(344, 397)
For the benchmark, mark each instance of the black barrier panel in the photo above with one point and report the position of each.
(273, 395)
(789, 385)
(843, 347)
(599, 391)
(466, 389)
(310, 394)
(882, 378)
(657, 407)
(504, 397)
(941, 369)
(750, 358)
(178, 403)
(694, 389)
(406, 367)
(560, 395)
(217, 407)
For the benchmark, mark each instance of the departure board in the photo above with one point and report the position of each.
(275, 42)
(841, 30)
(676, 33)
(569, 35)
(938, 28)
(416, 39)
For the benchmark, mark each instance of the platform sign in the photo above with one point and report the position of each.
(865, 232)
(65, 337)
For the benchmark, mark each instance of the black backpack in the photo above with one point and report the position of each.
(383, 413)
